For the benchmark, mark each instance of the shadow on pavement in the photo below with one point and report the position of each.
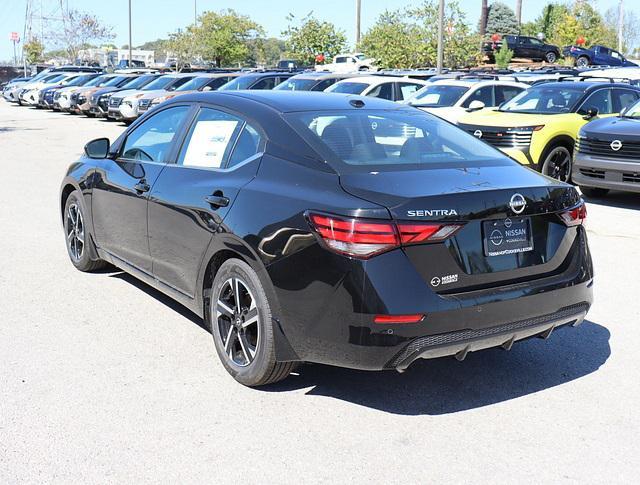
(621, 200)
(444, 386)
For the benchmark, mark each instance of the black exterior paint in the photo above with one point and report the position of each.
(324, 303)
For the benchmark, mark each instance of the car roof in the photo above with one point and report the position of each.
(373, 80)
(217, 74)
(320, 75)
(585, 85)
(266, 74)
(291, 101)
(476, 82)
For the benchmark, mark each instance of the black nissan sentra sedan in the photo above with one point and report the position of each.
(343, 230)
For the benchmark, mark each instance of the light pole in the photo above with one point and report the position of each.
(130, 48)
(440, 36)
(620, 25)
(358, 14)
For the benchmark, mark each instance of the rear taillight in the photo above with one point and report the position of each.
(575, 216)
(364, 238)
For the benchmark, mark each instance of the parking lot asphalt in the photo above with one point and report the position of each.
(103, 379)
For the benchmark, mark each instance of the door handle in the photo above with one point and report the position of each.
(142, 187)
(217, 201)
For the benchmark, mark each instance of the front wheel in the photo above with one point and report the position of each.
(241, 325)
(557, 164)
(77, 235)
(551, 57)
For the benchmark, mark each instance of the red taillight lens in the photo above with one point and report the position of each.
(365, 238)
(398, 318)
(575, 216)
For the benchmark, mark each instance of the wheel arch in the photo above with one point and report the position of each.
(565, 140)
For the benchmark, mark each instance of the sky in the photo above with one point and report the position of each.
(153, 19)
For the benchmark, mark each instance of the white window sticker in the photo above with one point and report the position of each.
(208, 143)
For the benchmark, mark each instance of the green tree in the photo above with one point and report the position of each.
(503, 57)
(394, 41)
(501, 20)
(582, 19)
(224, 37)
(266, 52)
(310, 37)
(33, 51)
(409, 37)
(182, 46)
(548, 22)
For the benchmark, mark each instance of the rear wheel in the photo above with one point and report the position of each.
(241, 325)
(594, 191)
(551, 57)
(77, 235)
(582, 61)
(557, 163)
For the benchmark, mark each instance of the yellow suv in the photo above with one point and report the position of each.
(539, 126)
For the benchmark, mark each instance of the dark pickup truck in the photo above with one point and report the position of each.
(597, 55)
(523, 47)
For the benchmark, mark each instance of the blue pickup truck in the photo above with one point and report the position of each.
(597, 55)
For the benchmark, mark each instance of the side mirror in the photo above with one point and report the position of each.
(98, 148)
(590, 113)
(475, 106)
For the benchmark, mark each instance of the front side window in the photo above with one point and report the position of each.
(341, 60)
(210, 139)
(438, 95)
(152, 140)
(294, 84)
(623, 98)
(348, 88)
(506, 93)
(600, 100)
(266, 83)
(388, 140)
(382, 91)
(407, 89)
(483, 94)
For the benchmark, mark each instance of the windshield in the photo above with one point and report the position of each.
(633, 111)
(388, 140)
(544, 100)
(296, 85)
(54, 78)
(96, 81)
(117, 81)
(181, 81)
(347, 88)
(438, 95)
(138, 82)
(80, 80)
(160, 83)
(194, 84)
(241, 82)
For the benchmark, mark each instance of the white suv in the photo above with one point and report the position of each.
(451, 98)
(393, 88)
(349, 63)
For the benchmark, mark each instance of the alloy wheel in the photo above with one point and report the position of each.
(558, 164)
(236, 315)
(74, 228)
(551, 57)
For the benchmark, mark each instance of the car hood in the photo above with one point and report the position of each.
(492, 117)
(626, 128)
(154, 94)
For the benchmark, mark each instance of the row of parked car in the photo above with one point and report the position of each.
(575, 125)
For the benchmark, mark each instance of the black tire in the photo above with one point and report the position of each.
(582, 61)
(596, 192)
(551, 57)
(557, 162)
(79, 253)
(247, 353)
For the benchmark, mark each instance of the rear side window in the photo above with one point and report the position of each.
(266, 83)
(247, 145)
(384, 140)
(322, 85)
(210, 139)
(505, 93)
(623, 98)
(382, 91)
(153, 139)
(406, 90)
(484, 94)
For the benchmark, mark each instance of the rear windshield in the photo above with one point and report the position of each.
(296, 85)
(438, 96)
(389, 140)
(348, 88)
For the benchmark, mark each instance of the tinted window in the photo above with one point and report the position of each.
(407, 89)
(178, 82)
(159, 83)
(623, 98)
(210, 139)
(391, 139)
(248, 145)
(505, 93)
(151, 141)
(600, 100)
(484, 94)
(383, 91)
(296, 84)
(216, 83)
(266, 83)
(322, 85)
(241, 82)
(340, 60)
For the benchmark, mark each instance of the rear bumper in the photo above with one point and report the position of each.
(590, 171)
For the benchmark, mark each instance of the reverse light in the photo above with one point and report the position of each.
(389, 319)
(575, 216)
(364, 238)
